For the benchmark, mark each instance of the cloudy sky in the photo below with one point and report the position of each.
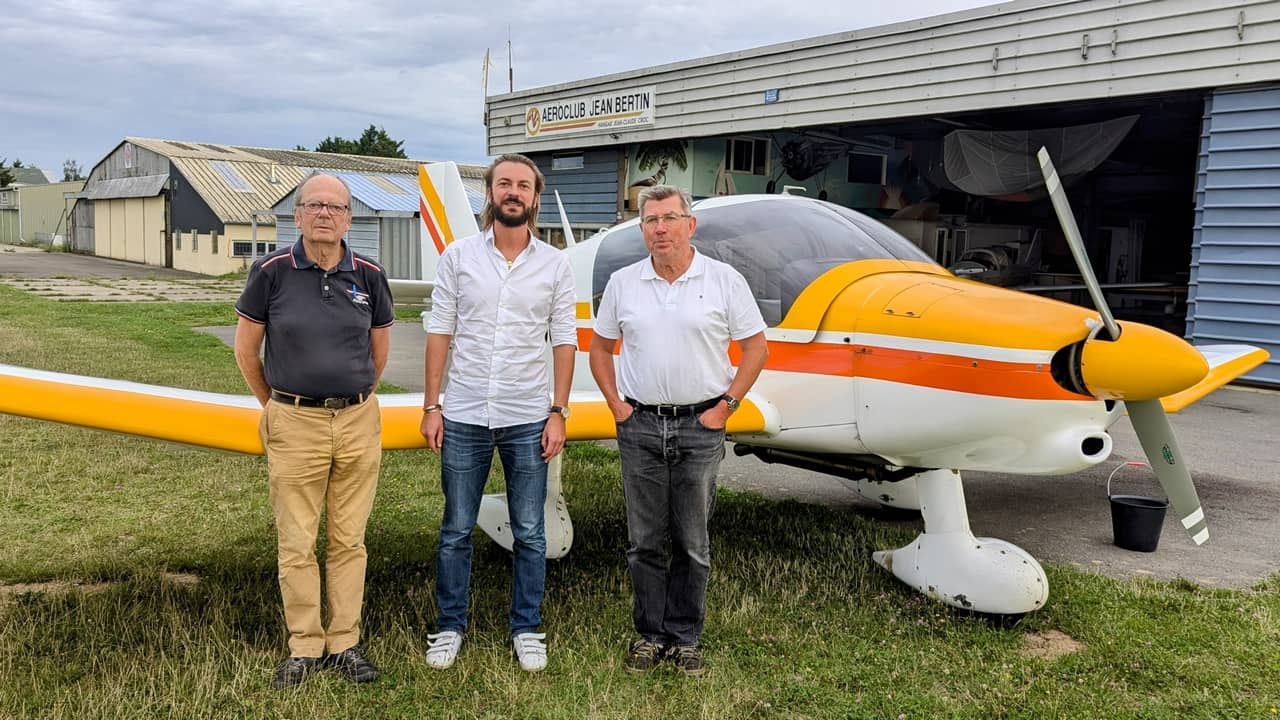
(80, 75)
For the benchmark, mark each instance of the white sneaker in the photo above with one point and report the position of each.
(531, 651)
(442, 649)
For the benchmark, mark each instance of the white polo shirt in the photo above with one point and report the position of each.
(675, 336)
(500, 318)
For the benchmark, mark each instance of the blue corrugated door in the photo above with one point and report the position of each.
(1234, 295)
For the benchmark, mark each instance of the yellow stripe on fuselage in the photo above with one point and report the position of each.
(432, 197)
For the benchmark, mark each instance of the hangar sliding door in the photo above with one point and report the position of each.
(1234, 294)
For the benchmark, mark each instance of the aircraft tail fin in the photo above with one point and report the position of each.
(1226, 363)
(445, 212)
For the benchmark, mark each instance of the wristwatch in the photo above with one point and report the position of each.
(562, 410)
(731, 401)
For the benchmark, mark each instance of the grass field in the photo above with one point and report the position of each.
(137, 580)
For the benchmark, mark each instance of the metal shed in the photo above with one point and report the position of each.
(385, 223)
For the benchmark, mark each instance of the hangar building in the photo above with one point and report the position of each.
(1163, 116)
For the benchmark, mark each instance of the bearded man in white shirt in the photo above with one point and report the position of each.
(497, 296)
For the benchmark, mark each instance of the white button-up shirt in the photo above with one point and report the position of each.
(500, 318)
(675, 336)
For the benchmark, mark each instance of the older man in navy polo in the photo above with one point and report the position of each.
(325, 313)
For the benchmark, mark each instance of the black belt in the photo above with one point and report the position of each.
(329, 403)
(675, 410)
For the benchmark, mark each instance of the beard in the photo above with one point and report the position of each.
(514, 219)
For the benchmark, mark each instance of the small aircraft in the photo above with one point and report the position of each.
(884, 369)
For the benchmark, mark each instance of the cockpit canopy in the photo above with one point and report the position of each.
(780, 244)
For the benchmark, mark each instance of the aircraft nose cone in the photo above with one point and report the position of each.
(1144, 364)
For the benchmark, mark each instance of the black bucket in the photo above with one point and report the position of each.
(1135, 520)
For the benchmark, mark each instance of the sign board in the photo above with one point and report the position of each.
(607, 112)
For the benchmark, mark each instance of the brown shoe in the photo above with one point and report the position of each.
(688, 659)
(643, 656)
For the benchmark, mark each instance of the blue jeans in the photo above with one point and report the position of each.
(465, 457)
(669, 467)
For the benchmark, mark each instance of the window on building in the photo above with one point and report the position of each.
(244, 248)
(747, 155)
(867, 168)
(573, 161)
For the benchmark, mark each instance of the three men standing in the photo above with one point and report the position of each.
(498, 296)
(671, 396)
(325, 313)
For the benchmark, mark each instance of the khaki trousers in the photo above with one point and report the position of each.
(322, 459)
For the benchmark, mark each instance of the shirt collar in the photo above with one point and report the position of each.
(488, 238)
(696, 267)
(302, 262)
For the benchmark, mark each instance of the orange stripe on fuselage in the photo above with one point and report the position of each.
(957, 373)
(431, 227)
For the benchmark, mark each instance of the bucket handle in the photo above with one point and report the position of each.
(1129, 463)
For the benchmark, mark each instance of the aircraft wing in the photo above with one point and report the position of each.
(590, 419)
(223, 421)
(411, 292)
(1226, 363)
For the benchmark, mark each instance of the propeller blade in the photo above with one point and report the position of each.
(1156, 435)
(1063, 209)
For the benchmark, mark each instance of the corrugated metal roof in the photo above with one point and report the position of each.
(143, 186)
(30, 176)
(384, 192)
(212, 170)
(392, 192)
(228, 203)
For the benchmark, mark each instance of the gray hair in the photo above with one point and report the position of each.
(662, 192)
(345, 186)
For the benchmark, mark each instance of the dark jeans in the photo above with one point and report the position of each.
(669, 467)
(465, 457)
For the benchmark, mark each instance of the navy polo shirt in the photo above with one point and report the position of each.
(317, 334)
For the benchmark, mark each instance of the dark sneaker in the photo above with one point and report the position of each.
(644, 656)
(688, 659)
(352, 665)
(293, 671)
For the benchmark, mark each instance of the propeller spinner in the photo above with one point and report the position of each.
(1181, 367)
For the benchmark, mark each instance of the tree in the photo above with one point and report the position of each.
(340, 145)
(374, 141)
(18, 163)
(6, 176)
(71, 170)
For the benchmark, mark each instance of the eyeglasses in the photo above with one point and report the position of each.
(314, 208)
(669, 219)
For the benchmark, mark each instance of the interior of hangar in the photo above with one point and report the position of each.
(960, 187)
(966, 189)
